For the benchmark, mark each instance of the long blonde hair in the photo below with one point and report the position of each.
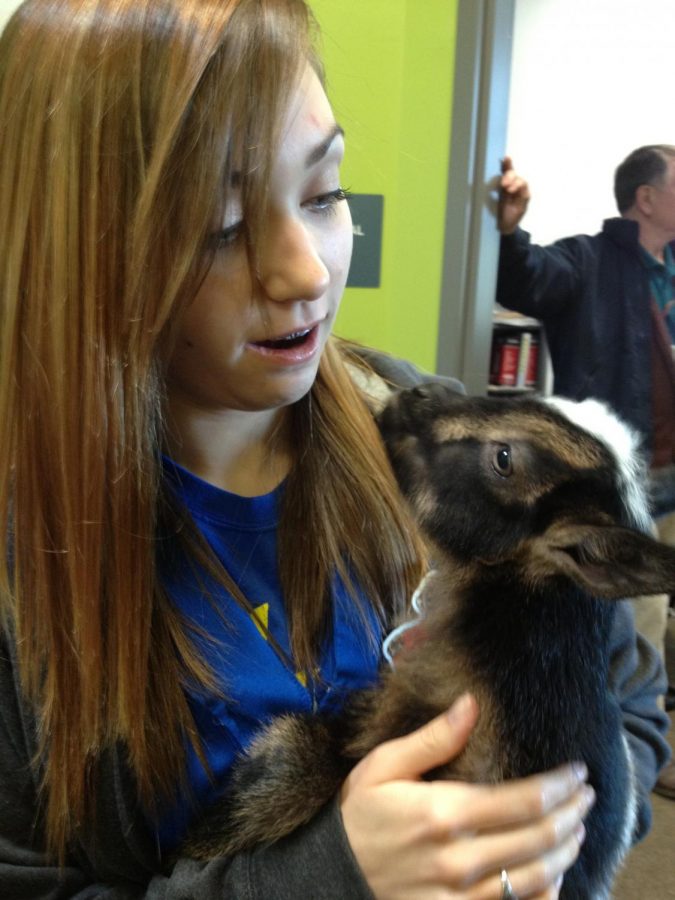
(120, 121)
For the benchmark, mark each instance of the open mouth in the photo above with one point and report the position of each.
(296, 339)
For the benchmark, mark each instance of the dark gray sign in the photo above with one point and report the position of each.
(367, 214)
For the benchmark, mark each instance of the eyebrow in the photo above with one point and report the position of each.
(317, 153)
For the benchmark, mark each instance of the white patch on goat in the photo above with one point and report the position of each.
(629, 822)
(631, 804)
(602, 423)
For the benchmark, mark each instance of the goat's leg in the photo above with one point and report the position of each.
(292, 769)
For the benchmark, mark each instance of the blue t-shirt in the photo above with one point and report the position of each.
(242, 531)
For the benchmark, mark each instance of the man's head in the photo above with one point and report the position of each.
(644, 188)
(644, 166)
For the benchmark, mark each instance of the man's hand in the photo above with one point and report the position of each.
(514, 196)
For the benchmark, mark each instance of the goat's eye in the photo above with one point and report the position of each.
(501, 460)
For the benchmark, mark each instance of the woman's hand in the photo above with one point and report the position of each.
(448, 839)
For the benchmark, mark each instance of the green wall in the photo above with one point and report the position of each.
(390, 66)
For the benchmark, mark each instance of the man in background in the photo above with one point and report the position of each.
(607, 302)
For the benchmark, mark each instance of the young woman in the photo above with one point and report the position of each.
(200, 529)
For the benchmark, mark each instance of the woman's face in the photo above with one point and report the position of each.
(252, 341)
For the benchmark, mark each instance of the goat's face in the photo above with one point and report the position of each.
(495, 480)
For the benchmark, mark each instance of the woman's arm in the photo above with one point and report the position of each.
(115, 858)
(408, 835)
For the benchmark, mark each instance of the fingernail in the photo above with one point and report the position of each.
(589, 796)
(459, 708)
(580, 833)
(580, 771)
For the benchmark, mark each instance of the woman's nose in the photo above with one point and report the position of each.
(289, 264)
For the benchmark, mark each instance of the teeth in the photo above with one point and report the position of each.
(296, 334)
(281, 342)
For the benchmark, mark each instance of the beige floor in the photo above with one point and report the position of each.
(650, 871)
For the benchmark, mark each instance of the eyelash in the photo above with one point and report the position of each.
(226, 237)
(323, 204)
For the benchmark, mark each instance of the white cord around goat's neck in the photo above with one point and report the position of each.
(417, 604)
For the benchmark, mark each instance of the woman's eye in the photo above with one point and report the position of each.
(325, 203)
(501, 461)
(226, 237)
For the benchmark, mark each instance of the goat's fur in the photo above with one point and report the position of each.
(533, 508)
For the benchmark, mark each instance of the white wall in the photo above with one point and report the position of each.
(591, 80)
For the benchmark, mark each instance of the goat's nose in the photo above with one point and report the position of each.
(422, 390)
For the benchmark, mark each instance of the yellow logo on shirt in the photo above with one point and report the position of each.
(261, 617)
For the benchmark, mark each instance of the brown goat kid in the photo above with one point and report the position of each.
(533, 509)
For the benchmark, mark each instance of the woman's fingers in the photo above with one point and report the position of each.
(539, 879)
(484, 807)
(540, 851)
(457, 808)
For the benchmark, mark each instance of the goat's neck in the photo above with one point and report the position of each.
(540, 656)
(516, 633)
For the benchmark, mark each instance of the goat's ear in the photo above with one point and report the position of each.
(607, 561)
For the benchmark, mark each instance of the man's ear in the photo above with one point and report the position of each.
(643, 199)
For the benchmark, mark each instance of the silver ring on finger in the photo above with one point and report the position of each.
(507, 889)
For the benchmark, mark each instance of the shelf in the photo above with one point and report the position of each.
(514, 320)
(525, 370)
(503, 389)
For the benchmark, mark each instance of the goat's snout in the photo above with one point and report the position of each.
(421, 390)
(432, 393)
(412, 412)
(423, 402)
(398, 417)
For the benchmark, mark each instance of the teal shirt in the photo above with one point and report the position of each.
(662, 285)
